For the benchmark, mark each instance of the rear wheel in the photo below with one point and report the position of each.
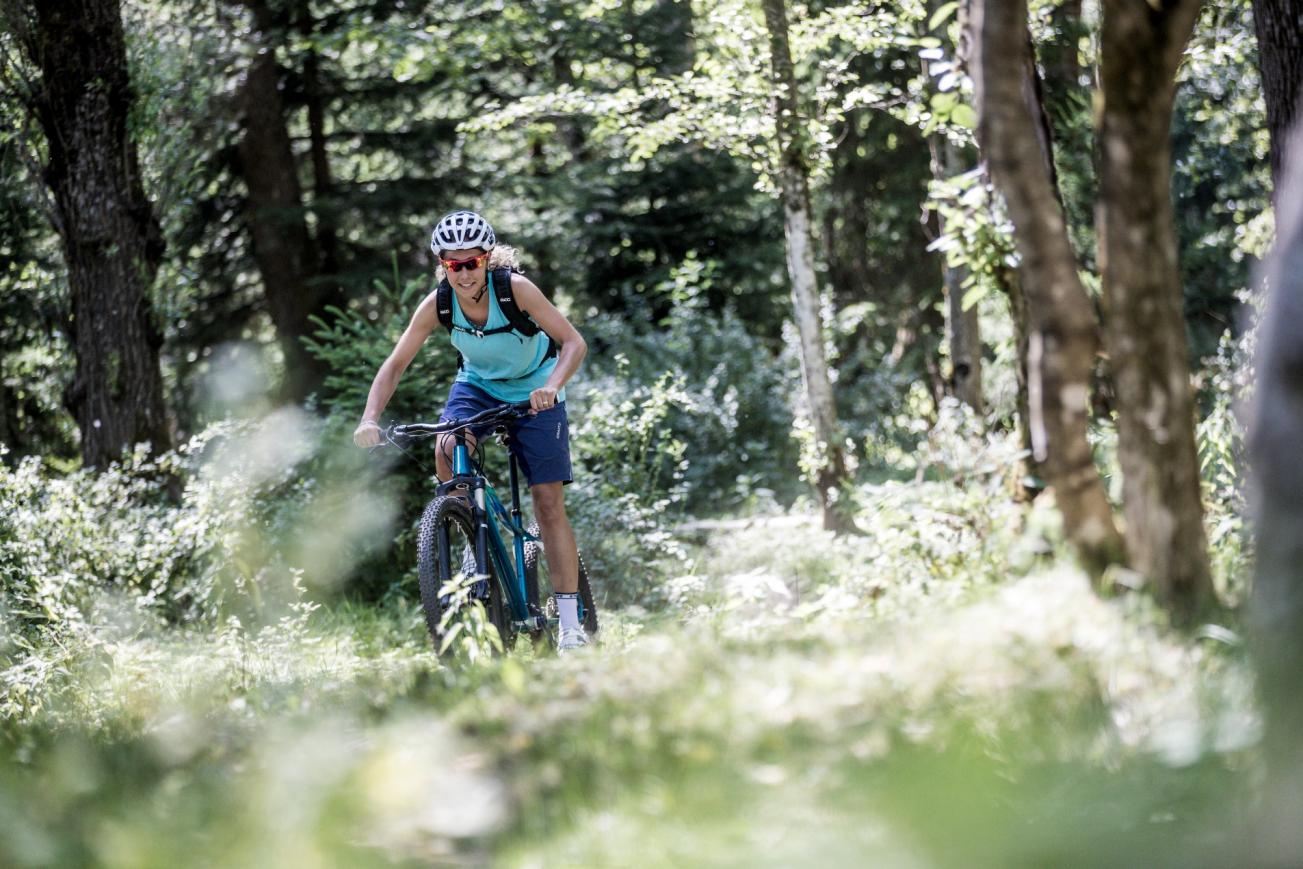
(445, 549)
(536, 577)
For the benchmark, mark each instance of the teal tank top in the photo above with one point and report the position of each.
(508, 366)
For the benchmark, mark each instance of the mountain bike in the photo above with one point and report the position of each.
(461, 537)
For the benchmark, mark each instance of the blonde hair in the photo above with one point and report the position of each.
(502, 256)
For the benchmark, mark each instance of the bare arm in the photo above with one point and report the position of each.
(391, 371)
(531, 300)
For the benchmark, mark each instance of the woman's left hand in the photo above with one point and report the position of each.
(542, 399)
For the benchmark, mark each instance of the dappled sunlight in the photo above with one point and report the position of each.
(801, 267)
(263, 451)
(816, 681)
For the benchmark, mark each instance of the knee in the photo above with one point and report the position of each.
(549, 503)
(440, 463)
(443, 456)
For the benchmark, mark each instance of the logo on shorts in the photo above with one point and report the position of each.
(558, 431)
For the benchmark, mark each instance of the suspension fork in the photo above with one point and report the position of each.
(463, 478)
(481, 512)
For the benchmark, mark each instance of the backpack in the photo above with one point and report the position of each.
(517, 320)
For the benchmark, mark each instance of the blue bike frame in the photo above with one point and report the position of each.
(487, 510)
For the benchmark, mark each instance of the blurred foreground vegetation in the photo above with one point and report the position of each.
(212, 655)
(941, 691)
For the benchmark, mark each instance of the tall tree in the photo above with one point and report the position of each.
(1140, 49)
(282, 246)
(1062, 330)
(1275, 432)
(112, 243)
(963, 330)
(1279, 24)
(793, 175)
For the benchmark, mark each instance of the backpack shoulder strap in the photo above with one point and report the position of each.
(518, 319)
(443, 303)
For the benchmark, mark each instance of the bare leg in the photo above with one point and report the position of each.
(558, 536)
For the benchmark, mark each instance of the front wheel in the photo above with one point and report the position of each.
(536, 578)
(445, 549)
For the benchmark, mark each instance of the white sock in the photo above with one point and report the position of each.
(568, 606)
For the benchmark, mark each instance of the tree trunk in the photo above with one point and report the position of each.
(1062, 335)
(1279, 24)
(282, 247)
(111, 239)
(1010, 284)
(963, 330)
(1276, 606)
(793, 177)
(322, 182)
(1145, 325)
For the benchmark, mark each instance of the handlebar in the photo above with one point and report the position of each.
(501, 414)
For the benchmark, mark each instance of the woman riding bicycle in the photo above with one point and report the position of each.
(500, 364)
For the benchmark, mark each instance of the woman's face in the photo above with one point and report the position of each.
(465, 268)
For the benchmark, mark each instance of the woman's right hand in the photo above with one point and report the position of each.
(367, 434)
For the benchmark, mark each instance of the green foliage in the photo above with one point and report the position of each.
(733, 400)
(468, 635)
(1228, 388)
(979, 234)
(940, 690)
(115, 547)
(68, 539)
(1221, 181)
(940, 676)
(357, 341)
(628, 484)
(35, 362)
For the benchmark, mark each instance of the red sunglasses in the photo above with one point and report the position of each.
(456, 265)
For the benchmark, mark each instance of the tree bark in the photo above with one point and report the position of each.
(282, 247)
(1276, 606)
(1010, 284)
(1062, 334)
(322, 181)
(793, 177)
(1279, 25)
(1144, 322)
(111, 240)
(963, 329)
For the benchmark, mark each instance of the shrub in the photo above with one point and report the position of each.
(261, 504)
(732, 407)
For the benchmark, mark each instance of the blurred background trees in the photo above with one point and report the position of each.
(1023, 278)
(293, 156)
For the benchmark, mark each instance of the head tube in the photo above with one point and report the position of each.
(461, 459)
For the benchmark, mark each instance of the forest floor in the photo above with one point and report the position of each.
(938, 692)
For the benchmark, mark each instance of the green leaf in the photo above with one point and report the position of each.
(964, 116)
(941, 15)
(974, 295)
(943, 103)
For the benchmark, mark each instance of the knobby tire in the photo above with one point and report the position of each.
(447, 527)
(535, 579)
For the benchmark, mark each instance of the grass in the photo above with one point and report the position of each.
(940, 692)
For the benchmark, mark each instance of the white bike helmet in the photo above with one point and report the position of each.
(462, 230)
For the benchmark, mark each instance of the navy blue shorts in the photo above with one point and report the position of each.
(541, 443)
